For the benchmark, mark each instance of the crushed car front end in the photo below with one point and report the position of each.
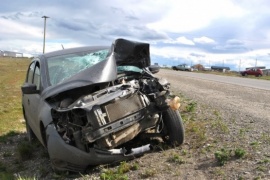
(91, 130)
(96, 113)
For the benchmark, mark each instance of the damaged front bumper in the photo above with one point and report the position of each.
(70, 158)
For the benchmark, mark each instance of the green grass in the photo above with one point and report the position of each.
(6, 176)
(5, 137)
(24, 150)
(191, 107)
(26, 178)
(4, 173)
(148, 173)
(2, 167)
(239, 153)
(255, 144)
(225, 154)
(264, 161)
(13, 72)
(120, 172)
(195, 128)
(265, 137)
(222, 156)
(176, 158)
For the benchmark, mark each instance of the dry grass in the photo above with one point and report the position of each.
(13, 72)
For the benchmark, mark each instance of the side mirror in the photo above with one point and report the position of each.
(29, 89)
(154, 69)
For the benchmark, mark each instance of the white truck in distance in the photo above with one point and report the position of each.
(182, 67)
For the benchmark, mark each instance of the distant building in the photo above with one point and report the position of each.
(10, 54)
(266, 72)
(206, 68)
(260, 67)
(220, 68)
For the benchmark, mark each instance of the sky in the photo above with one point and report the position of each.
(231, 33)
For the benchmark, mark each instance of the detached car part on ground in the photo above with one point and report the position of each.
(87, 104)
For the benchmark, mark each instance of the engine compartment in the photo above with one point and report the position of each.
(110, 116)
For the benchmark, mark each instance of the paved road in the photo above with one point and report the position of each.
(254, 83)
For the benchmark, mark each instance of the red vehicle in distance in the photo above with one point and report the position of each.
(253, 71)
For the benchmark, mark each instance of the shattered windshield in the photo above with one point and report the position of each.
(64, 66)
(128, 68)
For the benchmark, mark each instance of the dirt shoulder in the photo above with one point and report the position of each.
(245, 116)
(227, 137)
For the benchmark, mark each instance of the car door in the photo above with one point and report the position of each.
(31, 102)
(253, 72)
(25, 97)
(258, 72)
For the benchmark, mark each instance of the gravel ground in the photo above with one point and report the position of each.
(246, 113)
(243, 103)
(226, 117)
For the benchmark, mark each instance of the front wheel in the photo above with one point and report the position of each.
(173, 127)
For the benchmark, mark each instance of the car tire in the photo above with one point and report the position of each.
(173, 132)
(259, 75)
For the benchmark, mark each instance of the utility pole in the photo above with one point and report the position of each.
(45, 17)
(256, 63)
(239, 65)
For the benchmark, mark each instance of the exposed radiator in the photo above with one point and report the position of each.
(123, 107)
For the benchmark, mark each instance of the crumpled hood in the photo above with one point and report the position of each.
(123, 52)
(104, 71)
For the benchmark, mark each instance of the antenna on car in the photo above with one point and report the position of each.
(62, 46)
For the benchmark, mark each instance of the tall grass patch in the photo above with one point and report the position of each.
(13, 72)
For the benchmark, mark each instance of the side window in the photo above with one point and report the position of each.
(36, 80)
(30, 73)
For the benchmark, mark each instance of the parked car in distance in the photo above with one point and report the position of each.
(98, 105)
(253, 71)
(182, 67)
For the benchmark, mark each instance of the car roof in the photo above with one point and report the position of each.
(74, 50)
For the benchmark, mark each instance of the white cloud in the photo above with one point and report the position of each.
(169, 52)
(19, 30)
(180, 40)
(58, 46)
(185, 16)
(204, 40)
(184, 40)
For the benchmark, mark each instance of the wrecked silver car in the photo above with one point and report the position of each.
(86, 105)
